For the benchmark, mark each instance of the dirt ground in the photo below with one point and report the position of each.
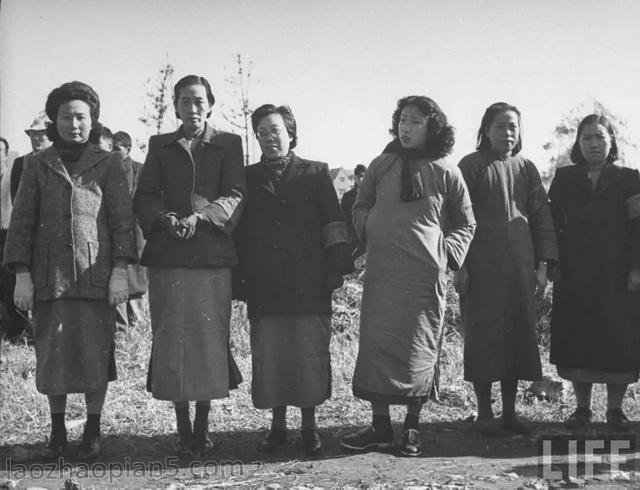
(453, 457)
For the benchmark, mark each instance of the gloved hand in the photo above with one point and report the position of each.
(188, 225)
(541, 279)
(461, 281)
(333, 281)
(633, 280)
(118, 286)
(170, 223)
(23, 293)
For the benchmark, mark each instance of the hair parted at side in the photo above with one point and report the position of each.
(487, 119)
(73, 91)
(576, 153)
(440, 135)
(192, 80)
(122, 138)
(287, 116)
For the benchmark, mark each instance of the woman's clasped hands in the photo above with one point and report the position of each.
(183, 228)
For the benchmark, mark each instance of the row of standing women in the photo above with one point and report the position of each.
(273, 235)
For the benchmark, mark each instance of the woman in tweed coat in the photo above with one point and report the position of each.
(69, 241)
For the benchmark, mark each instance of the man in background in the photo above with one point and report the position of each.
(132, 311)
(37, 134)
(348, 199)
(14, 322)
(105, 140)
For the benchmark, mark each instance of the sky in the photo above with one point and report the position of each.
(340, 64)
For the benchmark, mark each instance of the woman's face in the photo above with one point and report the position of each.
(595, 143)
(504, 132)
(74, 121)
(412, 127)
(193, 107)
(273, 136)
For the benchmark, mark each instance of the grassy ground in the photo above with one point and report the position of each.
(144, 426)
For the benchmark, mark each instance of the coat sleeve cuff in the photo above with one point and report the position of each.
(334, 232)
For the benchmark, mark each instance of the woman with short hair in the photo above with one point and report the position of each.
(69, 241)
(188, 201)
(293, 248)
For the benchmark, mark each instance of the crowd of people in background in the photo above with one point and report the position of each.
(86, 232)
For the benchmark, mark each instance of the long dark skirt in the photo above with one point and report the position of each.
(291, 362)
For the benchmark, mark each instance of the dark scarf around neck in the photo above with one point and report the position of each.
(69, 152)
(411, 188)
(276, 167)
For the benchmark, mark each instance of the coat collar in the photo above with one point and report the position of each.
(294, 168)
(607, 177)
(209, 136)
(91, 156)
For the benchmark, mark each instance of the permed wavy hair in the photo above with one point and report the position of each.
(73, 91)
(487, 119)
(576, 153)
(440, 135)
(287, 116)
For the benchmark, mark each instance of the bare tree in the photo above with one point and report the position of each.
(564, 135)
(239, 116)
(158, 115)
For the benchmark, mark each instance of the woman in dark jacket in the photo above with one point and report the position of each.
(188, 201)
(293, 249)
(70, 240)
(595, 334)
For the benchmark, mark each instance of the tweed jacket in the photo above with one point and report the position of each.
(289, 240)
(70, 228)
(208, 179)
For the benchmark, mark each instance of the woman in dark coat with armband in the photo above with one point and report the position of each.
(293, 248)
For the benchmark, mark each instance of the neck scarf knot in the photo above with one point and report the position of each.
(411, 188)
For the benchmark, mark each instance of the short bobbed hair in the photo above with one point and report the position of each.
(359, 170)
(73, 91)
(440, 135)
(123, 138)
(487, 119)
(287, 116)
(576, 152)
(192, 80)
(6, 143)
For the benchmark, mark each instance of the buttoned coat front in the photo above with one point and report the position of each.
(211, 182)
(284, 260)
(70, 227)
(595, 320)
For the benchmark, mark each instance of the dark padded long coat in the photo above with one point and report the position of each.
(595, 320)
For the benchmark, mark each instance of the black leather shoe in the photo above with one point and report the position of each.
(311, 442)
(617, 420)
(276, 439)
(203, 446)
(410, 445)
(89, 448)
(54, 449)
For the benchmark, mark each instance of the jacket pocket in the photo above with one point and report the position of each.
(99, 262)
